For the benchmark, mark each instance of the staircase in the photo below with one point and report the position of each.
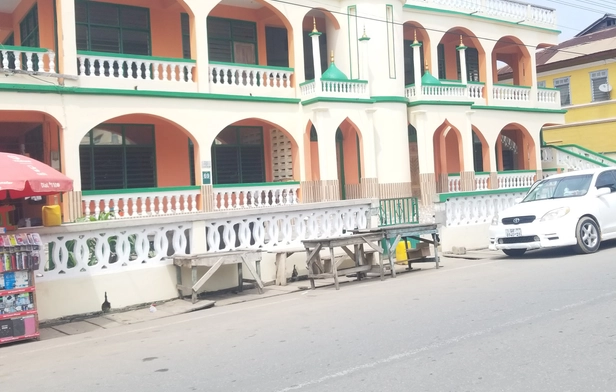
(572, 157)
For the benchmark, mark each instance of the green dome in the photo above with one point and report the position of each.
(427, 78)
(333, 73)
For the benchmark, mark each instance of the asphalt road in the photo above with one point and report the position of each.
(545, 322)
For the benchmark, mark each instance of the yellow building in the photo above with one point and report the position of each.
(584, 70)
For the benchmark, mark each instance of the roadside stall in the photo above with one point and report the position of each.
(21, 252)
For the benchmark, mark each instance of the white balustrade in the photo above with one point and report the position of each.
(511, 93)
(477, 209)
(559, 157)
(344, 88)
(443, 91)
(454, 183)
(82, 249)
(100, 65)
(475, 91)
(482, 181)
(548, 97)
(509, 10)
(594, 156)
(308, 88)
(247, 77)
(144, 204)
(410, 92)
(265, 195)
(27, 59)
(516, 179)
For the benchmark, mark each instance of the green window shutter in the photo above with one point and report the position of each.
(253, 165)
(442, 66)
(140, 163)
(109, 167)
(277, 46)
(227, 164)
(185, 20)
(85, 165)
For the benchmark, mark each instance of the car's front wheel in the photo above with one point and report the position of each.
(514, 252)
(588, 235)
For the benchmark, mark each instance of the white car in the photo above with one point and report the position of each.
(576, 208)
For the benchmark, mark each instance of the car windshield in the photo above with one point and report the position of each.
(557, 188)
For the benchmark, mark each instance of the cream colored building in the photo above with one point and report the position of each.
(170, 107)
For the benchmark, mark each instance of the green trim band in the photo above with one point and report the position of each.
(423, 8)
(593, 153)
(482, 173)
(444, 103)
(135, 57)
(251, 66)
(453, 174)
(517, 171)
(443, 197)
(256, 184)
(139, 93)
(139, 190)
(23, 49)
(512, 85)
(328, 99)
(548, 88)
(345, 80)
(517, 109)
(306, 82)
(390, 99)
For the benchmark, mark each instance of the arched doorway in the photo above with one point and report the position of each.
(448, 156)
(412, 31)
(515, 149)
(475, 56)
(349, 160)
(326, 24)
(36, 135)
(510, 51)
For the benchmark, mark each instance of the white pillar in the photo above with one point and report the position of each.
(534, 89)
(316, 56)
(369, 146)
(199, 48)
(364, 40)
(467, 144)
(417, 67)
(67, 37)
(462, 52)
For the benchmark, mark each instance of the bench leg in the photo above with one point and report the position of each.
(193, 273)
(334, 268)
(281, 269)
(436, 257)
(178, 274)
(240, 277)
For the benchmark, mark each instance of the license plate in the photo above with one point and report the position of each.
(513, 232)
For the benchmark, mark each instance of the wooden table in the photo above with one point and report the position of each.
(414, 231)
(214, 261)
(328, 267)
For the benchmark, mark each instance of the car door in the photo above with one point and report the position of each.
(607, 203)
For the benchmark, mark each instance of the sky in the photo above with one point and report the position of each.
(575, 15)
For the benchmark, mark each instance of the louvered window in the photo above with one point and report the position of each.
(29, 29)
(232, 41)
(442, 65)
(541, 84)
(114, 156)
(239, 156)
(598, 79)
(185, 20)
(563, 85)
(112, 28)
(409, 62)
(277, 46)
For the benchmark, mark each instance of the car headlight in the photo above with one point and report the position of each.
(495, 220)
(555, 214)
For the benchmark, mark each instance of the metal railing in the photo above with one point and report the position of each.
(397, 211)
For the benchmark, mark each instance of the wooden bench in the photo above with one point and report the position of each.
(214, 261)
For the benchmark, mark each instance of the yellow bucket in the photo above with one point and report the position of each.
(52, 216)
(401, 255)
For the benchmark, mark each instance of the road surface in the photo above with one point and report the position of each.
(545, 322)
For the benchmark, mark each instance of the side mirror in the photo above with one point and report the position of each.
(603, 191)
(518, 200)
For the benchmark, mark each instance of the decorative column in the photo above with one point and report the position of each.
(534, 87)
(462, 52)
(316, 56)
(198, 35)
(67, 38)
(364, 71)
(70, 138)
(416, 45)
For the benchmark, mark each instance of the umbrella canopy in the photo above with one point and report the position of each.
(21, 176)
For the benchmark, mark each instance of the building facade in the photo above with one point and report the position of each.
(206, 105)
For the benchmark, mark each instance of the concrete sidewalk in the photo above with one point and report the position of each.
(52, 330)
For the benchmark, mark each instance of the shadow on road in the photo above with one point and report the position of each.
(558, 253)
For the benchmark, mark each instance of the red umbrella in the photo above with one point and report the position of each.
(21, 176)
